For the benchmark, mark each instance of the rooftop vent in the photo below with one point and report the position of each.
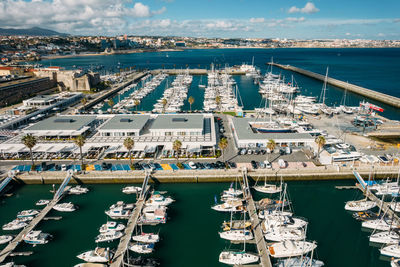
(125, 120)
(64, 120)
(179, 119)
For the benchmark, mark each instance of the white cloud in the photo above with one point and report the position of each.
(257, 20)
(309, 8)
(74, 16)
(291, 19)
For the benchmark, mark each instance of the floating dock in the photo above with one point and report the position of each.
(258, 234)
(8, 250)
(384, 98)
(118, 259)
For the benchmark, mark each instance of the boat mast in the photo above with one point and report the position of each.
(323, 92)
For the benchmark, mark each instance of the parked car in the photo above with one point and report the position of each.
(262, 165)
(383, 159)
(63, 167)
(254, 164)
(268, 164)
(192, 165)
(288, 150)
(232, 164)
(282, 164)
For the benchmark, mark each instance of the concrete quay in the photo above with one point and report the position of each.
(384, 98)
(205, 176)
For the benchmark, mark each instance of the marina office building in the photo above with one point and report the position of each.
(246, 137)
(151, 133)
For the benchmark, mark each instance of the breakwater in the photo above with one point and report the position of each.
(381, 97)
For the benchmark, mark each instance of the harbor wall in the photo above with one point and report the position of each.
(206, 176)
(384, 98)
(195, 71)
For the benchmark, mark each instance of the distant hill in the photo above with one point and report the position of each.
(35, 31)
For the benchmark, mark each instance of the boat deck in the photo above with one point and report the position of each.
(8, 250)
(118, 258)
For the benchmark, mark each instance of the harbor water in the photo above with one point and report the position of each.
(190, 236)
(373, 68)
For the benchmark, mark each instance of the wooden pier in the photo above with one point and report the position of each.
(383, 98)
(8, 250)
(256, 223)
(118, 258)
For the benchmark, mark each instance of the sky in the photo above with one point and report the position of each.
(298, 19)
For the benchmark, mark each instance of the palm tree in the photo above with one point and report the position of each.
(111, 104)
(271, 145)
(218, 101)
(137, 102)
(223, 144)
(29, 141)
(191, 101)
(128, 143)
(164, 103)
(320, 141)
(176, 146)
(84, 101)
(80, 141)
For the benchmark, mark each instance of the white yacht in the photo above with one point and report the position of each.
(237, 258)
(268, 188)
(157, 199)
(359, 205)
(97, 255)
(386, 237)
(11, 264)
(131, 189)
(36, 238)
(262, 214)
(282, 234)
(65, 207)
(109, 236)
(391, 251)
(27, 213)
(141, 248)
(146, 238)
(153, 216)
(282, 221)
(42, 202)
(237, 235)
(233, 192)
(78, 190)
(14, 225)
(111, 226)
(231, 206)
(291, 249)
(119, 213)
(395, 263)
(378, 224)
(5, 239)
(395, 206)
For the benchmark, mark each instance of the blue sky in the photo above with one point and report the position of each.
(300, 19)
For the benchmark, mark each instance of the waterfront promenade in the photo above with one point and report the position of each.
(384, 98)
(331, 172)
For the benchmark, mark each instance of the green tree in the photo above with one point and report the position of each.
(129, 143)
(218, 101)
(84, 101)
(29, 141)
(110, 102)
(164, 103)
(191, 101)
(176, 146)
(320, 141)
(80, 142)
(223, 144)
(271, 146)
(137, 103)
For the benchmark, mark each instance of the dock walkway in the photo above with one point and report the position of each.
(385, 206)
(125, 239)
(381, 97)
(19, 238)
(258, 234)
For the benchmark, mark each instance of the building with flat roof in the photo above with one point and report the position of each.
(62, 126)
(179, 125)
(246, 137)
(124, 125)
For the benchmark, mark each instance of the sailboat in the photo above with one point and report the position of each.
(201, 85)
(237, 234)
(287, 249)
(343, 107)
(268, 188)
(359, 205)
(323, 107)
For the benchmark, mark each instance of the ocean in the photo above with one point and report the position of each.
(373, 68)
